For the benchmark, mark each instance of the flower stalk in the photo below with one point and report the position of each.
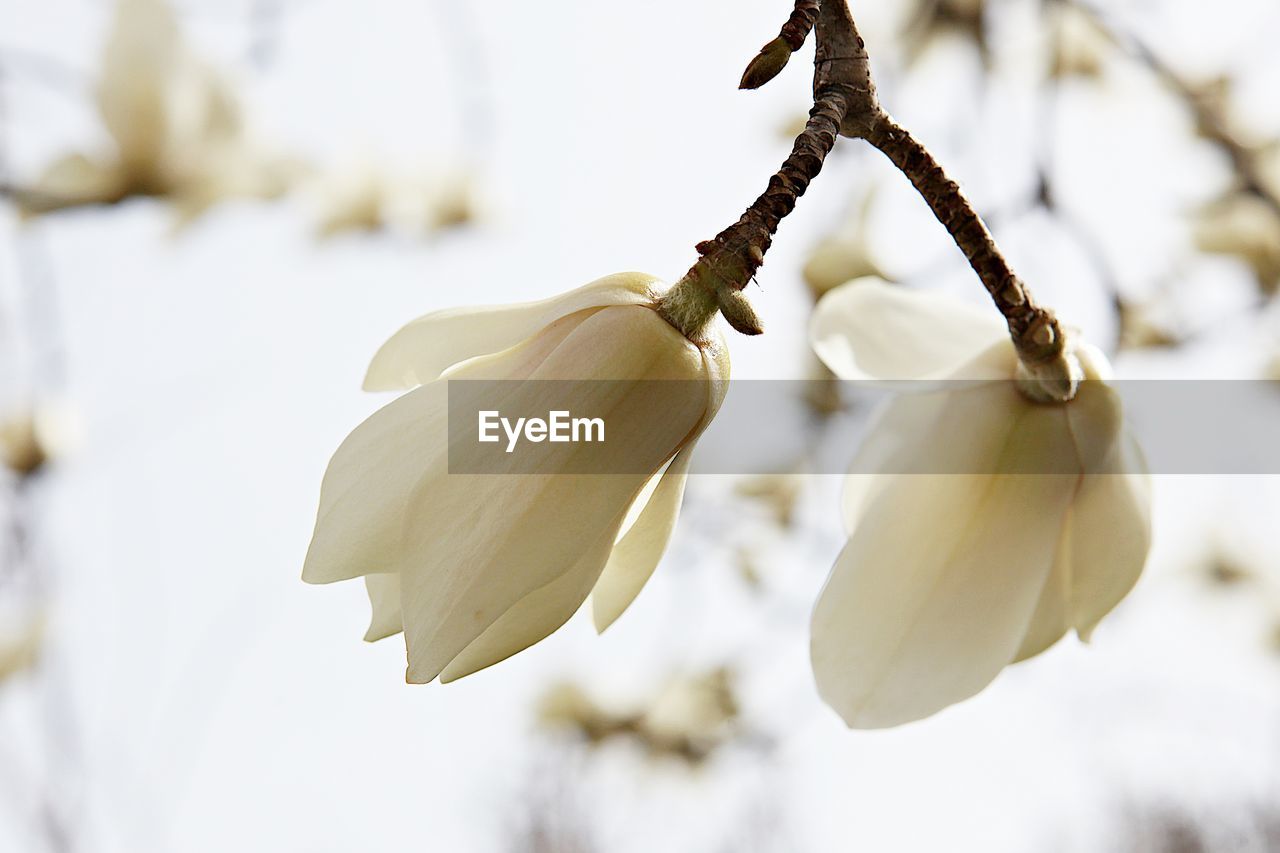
(842, 88)
(1034, 329)
(1245, 160)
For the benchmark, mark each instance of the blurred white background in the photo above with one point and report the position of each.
(191, 694)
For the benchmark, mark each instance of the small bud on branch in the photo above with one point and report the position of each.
(769, 62)
(773, 56)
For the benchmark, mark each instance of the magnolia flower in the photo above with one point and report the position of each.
(176, 125)
(983, 525)
(476, 567)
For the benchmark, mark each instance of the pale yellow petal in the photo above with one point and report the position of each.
(913, 434)
(1106, 532)
(430, 345)
(368, 482)
(1051, 619)
(1110, 535)
(871, 330)
(536, 616)
(646, 536)
(384, 598)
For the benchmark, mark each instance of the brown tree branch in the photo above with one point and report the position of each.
(1034, 329)
(845, 104)
(843, 97)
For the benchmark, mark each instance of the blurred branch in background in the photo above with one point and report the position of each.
(36, 429)
(177, 128)
(179, 133)
(1208, 102)
(265, 23)
(1164, 827)
(689, 731)
(1242, 222)
(553, 816)
(690, 718)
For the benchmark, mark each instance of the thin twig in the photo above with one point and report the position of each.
(845, 104)
(1210, 121)
(1034, 329)
(842, 88)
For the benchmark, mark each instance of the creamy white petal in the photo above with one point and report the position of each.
(430, 345)
(906, 436)
(535, 616)
(917, 618)
(1109, 536)
(637, 554)
(369, 481)
(459, 581)
(1051, 619)
(384, 598)
(523, 531)
(871, 330)
(934, 592)
(642, 500)
(1106, 532)
(647, 533)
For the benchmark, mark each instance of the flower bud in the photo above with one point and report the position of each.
(737, 310)
(766, 65)
(984, 526)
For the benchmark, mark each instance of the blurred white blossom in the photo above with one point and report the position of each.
(177, 128)
(31, 437)
(690, 717)
(983, 525)
(779, 493)
(476, 567)
(843, 255)
(368, 199)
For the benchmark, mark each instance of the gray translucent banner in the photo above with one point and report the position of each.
(1210, 427)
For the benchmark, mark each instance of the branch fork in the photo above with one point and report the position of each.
(845, 104)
